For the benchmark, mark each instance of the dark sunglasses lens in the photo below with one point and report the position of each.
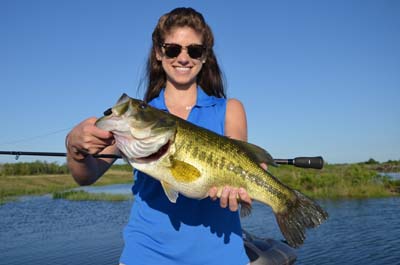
(172, 51)
(195, 51)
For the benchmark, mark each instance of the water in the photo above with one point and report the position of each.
(357, 232)
(392, 175)
(124, 189)
(40, 230)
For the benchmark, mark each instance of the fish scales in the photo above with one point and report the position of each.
(240, 171)
(189, 160)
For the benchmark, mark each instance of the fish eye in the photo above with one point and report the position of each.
(107, 112)
(143, 105)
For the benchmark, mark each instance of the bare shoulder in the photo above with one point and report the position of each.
(235, 120)
(234, 104)
(235, 111)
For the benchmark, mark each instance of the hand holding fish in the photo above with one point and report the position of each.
(229, 196)
(86, 139)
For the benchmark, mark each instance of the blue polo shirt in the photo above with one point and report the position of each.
(189, 231)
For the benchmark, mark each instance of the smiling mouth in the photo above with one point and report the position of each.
(182, 69)
(155, 156)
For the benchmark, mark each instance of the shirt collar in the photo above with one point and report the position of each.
(203, 100)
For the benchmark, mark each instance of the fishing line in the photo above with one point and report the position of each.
(34, 137)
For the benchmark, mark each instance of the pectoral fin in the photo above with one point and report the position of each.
(170, 192)
(184, 172)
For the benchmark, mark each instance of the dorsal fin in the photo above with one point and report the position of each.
(257, 153)
(123, 98)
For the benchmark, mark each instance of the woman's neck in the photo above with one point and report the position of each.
(179, 102)
(179, 97)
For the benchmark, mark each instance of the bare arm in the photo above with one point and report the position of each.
(82, 142)
(235, 120)
(236, 128)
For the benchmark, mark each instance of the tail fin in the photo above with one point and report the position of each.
(303, 213)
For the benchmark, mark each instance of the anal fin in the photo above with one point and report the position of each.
(245, 209)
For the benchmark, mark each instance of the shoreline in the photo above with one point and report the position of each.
(345, 181)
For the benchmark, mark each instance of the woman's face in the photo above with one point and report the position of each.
(182, 70)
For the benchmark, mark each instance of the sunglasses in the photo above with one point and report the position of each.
(195, 51)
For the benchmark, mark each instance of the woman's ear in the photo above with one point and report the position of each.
(158, 55)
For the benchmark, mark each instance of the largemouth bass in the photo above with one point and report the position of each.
(189, 160)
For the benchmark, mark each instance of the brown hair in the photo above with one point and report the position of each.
(210, 76)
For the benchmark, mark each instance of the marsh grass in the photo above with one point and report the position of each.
(80, 195)
(338, 181)
(14, 186)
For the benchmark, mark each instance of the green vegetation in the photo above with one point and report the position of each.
(44, 168)
(389, 166)
(33, 168)
(15, 185)
(359, 180)
(80, 195)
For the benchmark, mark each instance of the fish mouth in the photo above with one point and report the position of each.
(155, 156)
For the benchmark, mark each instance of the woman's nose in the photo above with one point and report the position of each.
(183, 57)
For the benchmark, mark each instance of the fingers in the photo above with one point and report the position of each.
(244, 196)
(88, 127)
(264, 166)
(224, 197)
(229, 197)
(233, 199)
(86, 139)
(213, 193)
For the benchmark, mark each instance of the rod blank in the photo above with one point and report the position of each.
(304, 162)
(23, 153)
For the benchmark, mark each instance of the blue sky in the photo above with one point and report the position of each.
(316, 77)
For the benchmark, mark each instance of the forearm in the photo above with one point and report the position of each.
(86, 171)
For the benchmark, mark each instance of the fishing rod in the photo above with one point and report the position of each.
(316, 162)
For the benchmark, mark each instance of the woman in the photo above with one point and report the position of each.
(184, 79)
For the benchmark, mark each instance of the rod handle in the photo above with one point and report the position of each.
(316, 162)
